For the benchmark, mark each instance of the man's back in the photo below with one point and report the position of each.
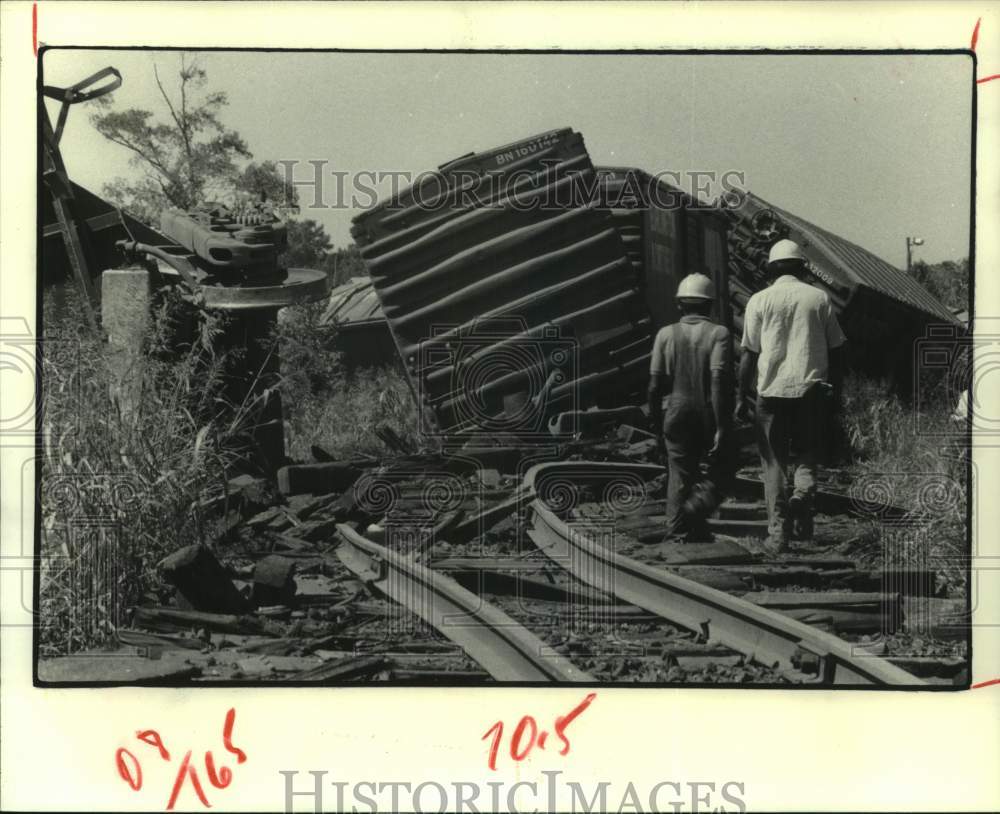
(688, 351)
(792, 326)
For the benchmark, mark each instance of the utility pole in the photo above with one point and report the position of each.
(910, 243)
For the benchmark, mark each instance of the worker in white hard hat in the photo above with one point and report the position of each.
(792, 358)
(690, 365)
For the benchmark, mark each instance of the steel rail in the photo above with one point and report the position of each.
(503, 647)
(767, 637)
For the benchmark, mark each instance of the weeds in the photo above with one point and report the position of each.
(923, 472)
(328, 406)
(130, 456)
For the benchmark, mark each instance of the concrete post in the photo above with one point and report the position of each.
(126, 295)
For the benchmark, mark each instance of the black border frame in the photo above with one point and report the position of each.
(857, 52)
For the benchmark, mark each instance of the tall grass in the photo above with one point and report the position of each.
(328, 405)
(130, 457)
(914, 456)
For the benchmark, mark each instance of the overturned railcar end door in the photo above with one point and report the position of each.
(507, 288)
(668, 235)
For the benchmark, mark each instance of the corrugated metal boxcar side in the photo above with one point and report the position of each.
(879, 306)
(362, 332)
(517, 283)
(503, 280)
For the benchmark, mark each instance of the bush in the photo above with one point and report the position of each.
(131, 459)
(329, 406)
(922, 469)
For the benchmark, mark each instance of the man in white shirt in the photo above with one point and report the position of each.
(791, 341)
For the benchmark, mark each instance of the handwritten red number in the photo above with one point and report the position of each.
(526, 734)
(565, 720)
(187, 769)
(227, 737)
(498, 727)
(133, 779)
(152, 737)
(220, 780)
(515, 741)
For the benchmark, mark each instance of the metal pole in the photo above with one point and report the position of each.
(908, 255)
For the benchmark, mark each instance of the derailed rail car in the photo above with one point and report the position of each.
(514, 291)
(103, 224)
(362, 332)
(884, 312)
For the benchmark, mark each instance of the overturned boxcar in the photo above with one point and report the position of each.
(521, 282)
(884, 312)
(362, 332)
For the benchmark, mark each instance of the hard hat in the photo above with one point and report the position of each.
(786, 250)
(696, 287)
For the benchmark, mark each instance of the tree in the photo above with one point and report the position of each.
(344, 264)
(188, 156)
(263, 181)
(180, 158)
(308, 245)
(948, 281)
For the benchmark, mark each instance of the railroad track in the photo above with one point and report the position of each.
(590, 595)
(438, 569)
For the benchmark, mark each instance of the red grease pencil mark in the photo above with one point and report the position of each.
(130, 770)
(972, 45)
(227, 736)
(566, 720)
(152, 737)
(221, 779)
(187, 769)
(982, 684)
(527, 735)
(131, 776)
(34, 28)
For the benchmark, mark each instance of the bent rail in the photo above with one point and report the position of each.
(502, 646)
(768, 637)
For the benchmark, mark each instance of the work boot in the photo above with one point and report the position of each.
(776, 544)
(801, 514)
(777, 538)
(701, 534)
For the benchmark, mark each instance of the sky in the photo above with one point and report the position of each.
(872, 147)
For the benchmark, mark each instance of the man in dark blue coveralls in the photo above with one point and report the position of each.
(691, 365)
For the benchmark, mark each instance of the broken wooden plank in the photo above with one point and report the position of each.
(478, 579)
(718, 552)
(843, 621)
(732, 510)
(141, 638)
(430, 674)
(345, 669)
(317, 478)
(486, 518)
(820, 599)
(931, 666)
(161, 618)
